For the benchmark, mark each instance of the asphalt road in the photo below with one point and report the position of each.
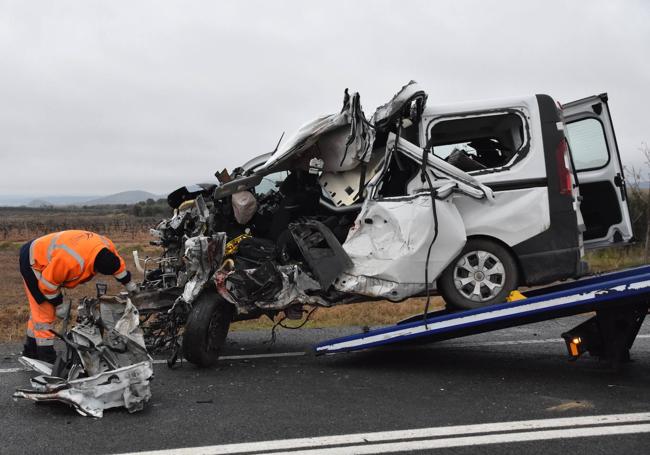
(518, 374)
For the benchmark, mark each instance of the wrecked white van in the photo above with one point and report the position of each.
(470, 200)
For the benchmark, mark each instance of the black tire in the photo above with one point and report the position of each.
(206, 329)
(460, 291)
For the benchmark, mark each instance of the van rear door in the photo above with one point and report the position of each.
(596, 159)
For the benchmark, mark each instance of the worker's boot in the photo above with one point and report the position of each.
(46, 354)
(29, 348)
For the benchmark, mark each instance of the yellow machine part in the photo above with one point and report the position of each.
(231, 246)
(514, 296)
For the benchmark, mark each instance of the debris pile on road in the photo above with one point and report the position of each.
(105, 364)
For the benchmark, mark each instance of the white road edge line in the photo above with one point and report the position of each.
(466, 441)
(363, 440)
(251, 356)
(301, 353)
(224, 357)
(12, 370)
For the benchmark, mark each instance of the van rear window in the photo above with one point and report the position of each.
(587, 143)
(477, 143)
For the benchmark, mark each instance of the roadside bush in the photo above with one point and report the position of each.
(639, 200)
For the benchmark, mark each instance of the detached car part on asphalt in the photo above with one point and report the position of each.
(467, 200)
(105, 364)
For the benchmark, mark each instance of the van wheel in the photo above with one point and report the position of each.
(206, 329)
(483, 274)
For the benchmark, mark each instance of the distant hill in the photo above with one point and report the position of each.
(39, 203)
(29, 201)
(125, 197)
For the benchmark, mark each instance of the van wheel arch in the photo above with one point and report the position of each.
(484, 273)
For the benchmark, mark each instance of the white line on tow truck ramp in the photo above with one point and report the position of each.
(437, 437)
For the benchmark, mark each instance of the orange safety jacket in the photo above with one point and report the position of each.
(67, 259)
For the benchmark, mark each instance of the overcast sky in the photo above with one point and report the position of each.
(100, 97)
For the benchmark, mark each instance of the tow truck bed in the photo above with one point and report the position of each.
(620, 300)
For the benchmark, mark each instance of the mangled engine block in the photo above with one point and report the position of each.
(105, 364)
(299, 271)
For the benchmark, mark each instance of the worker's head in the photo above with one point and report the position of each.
(106, 262)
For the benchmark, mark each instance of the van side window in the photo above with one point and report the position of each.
(587, 142)
(480, 142)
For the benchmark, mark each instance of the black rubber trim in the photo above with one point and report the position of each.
(509, 185)
(553, 253)
(623, 189)
(543, 267)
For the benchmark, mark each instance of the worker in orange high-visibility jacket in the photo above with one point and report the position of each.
(62, 260)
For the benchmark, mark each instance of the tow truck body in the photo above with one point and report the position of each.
(620, 301)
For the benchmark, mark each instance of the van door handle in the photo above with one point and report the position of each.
(619, 181)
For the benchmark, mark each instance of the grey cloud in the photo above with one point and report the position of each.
(100, 97)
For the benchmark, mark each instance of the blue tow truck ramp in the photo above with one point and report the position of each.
(619, 299)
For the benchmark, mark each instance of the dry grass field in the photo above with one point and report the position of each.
(13, 303)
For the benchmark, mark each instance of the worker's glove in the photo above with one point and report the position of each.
(62, 310)
(131, 287)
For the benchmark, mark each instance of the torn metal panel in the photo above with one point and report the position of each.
(202, 255)
(129, 325)
(36, 365)
(268, 287)
(295, 285)
(118, 343)
(321, 250)
(345, 188)
(411, 96)
(342, 141)
(126, 387)
(390, 241)
(105, 365)
(377, 287)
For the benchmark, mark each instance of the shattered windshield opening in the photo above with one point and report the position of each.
(271, 182)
